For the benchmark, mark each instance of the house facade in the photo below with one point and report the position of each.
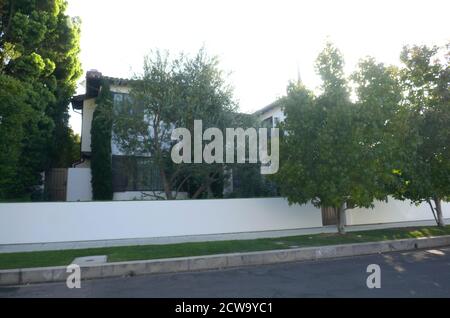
(271, 115)
(134, 178)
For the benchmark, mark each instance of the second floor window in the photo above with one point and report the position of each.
(123, 103)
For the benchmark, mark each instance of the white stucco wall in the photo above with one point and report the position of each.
(88, 221)
(393, 211)
(88, 113)
(124, 89)
(275, 112)
(78, 221)
(79, 186)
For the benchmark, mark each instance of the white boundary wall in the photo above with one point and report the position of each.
(86, 221)
(22, 223)
(393, 211)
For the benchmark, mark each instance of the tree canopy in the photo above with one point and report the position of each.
(333, 149)
(173, 93)
(39, 48)
(424, 175)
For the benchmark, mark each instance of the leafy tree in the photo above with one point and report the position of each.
(247, 180)
(252, 184)
(327, 157)
(424, 175)
(73, 145)
(174, 93)
(39, 46)
(24, 139)
(101, 166)
(379, 119)
(14, 111)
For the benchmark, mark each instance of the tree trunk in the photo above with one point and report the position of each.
(205, 186)
(166, 184)
(440, 217)
(199, 191)
(340, 213)
(210, 192)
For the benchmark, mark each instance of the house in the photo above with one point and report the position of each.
(271, 115)
(133, 177)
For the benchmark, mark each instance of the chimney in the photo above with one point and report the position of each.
(93, 74)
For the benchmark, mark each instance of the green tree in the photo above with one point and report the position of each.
(101, 166)
(14, 112)
(27, 130)
(251, 183)
(424, 175)
(39, 46)
(379, 119)
(73, 149)
(174, 93)
(325, 155)
(247, 180)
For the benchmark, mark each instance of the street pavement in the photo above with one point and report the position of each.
(424, 273)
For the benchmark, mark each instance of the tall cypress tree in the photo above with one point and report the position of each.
(101, 165)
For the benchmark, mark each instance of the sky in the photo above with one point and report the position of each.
(261, 44)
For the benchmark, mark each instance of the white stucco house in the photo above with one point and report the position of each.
(271, 115)
(134, 183)
(129, 181)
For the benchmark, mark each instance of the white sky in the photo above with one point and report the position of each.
(262, 43)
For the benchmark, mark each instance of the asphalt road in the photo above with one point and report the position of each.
(408, 274)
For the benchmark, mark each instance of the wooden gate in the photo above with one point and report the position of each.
(56, 184)
(329, 216)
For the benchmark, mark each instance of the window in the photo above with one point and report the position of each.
(276, 121)
(118, 99)
(267, 123)
(122, 102)
(135, 174)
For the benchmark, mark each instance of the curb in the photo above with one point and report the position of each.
(221, 261)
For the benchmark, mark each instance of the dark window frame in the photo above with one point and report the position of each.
(132, 173)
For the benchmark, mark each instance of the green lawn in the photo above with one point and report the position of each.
(146, 252)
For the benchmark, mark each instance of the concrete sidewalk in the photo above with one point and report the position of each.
(17, 248)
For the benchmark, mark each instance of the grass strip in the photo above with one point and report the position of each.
(148, 252)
